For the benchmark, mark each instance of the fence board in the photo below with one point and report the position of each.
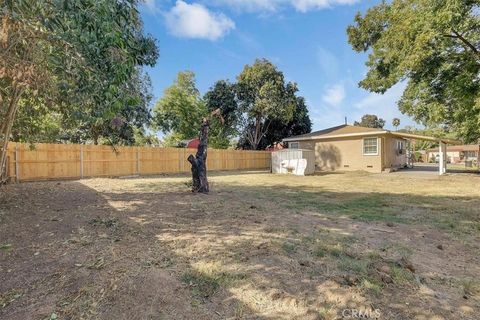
(44, 161)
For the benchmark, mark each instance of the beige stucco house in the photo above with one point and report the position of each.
(349, 147)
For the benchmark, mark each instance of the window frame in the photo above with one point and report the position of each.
(400, 145)
(363, 146)
(290, 145)
(470, 154)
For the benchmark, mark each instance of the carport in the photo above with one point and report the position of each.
(442, 147)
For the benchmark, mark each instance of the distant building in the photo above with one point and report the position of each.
(456, 154)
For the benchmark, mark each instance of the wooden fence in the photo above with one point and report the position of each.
(73, 161)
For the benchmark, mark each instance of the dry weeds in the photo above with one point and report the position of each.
(259, 246)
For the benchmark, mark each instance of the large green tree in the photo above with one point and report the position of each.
(181, 109)
(263, 96)
(36, 122)
(222, 96)
(278, 129)
(370, 121)
(75, 57)
(432, 45)
(121, 128)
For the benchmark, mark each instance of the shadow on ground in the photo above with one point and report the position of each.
(149, 249)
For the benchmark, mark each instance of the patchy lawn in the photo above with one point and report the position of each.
(259, 246)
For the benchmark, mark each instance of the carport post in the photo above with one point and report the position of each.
(442, 163)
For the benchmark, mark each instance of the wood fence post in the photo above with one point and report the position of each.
(17, 167)
(81, 161)
(182, 160)
(138, 160)
(269, 159)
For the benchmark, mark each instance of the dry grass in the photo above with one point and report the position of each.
(258, 246)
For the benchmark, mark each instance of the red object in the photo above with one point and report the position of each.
(275, 147)
(193, 144)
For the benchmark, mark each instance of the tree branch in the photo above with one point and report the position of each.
(468, 44)
(266, 125)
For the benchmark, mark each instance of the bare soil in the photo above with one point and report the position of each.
(258, 246)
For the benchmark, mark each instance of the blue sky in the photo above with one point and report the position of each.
(306, 39)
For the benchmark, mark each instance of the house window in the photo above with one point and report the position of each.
(293, 145)
(370, 146)
(400, 147)
(470, 154)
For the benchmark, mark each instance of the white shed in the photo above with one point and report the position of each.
(293, 154)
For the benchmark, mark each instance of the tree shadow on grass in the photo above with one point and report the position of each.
(159, 251)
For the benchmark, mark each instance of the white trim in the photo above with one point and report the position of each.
(363, 147)
(323, 137)
(401, 146)
(425, 138)
(380, 132)
(290, 145)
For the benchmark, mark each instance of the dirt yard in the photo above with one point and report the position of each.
(259, 246)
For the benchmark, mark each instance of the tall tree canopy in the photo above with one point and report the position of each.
(180, 111)
(263, 97)
(278, 129)
(260, 108)
(435, 47)
(370, 121)
(222, 96)
(75, 57)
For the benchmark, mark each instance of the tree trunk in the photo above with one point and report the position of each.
(256, 136)
(199, 162)
(6, 127)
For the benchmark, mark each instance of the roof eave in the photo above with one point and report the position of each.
(426, 138)
(373, 133)
(346, 135)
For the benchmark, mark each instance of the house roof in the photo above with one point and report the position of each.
(464, 147)
(346, 130)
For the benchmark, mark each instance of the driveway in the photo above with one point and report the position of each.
(422, 168)
(432, 168)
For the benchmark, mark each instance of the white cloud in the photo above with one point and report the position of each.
(247, 5)
(151, 5)
(196, 21)
(274, 5)
(383, 105)
(307, 5)
(328, 62)
(325, 117)
(376, 101)
(334, 95)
